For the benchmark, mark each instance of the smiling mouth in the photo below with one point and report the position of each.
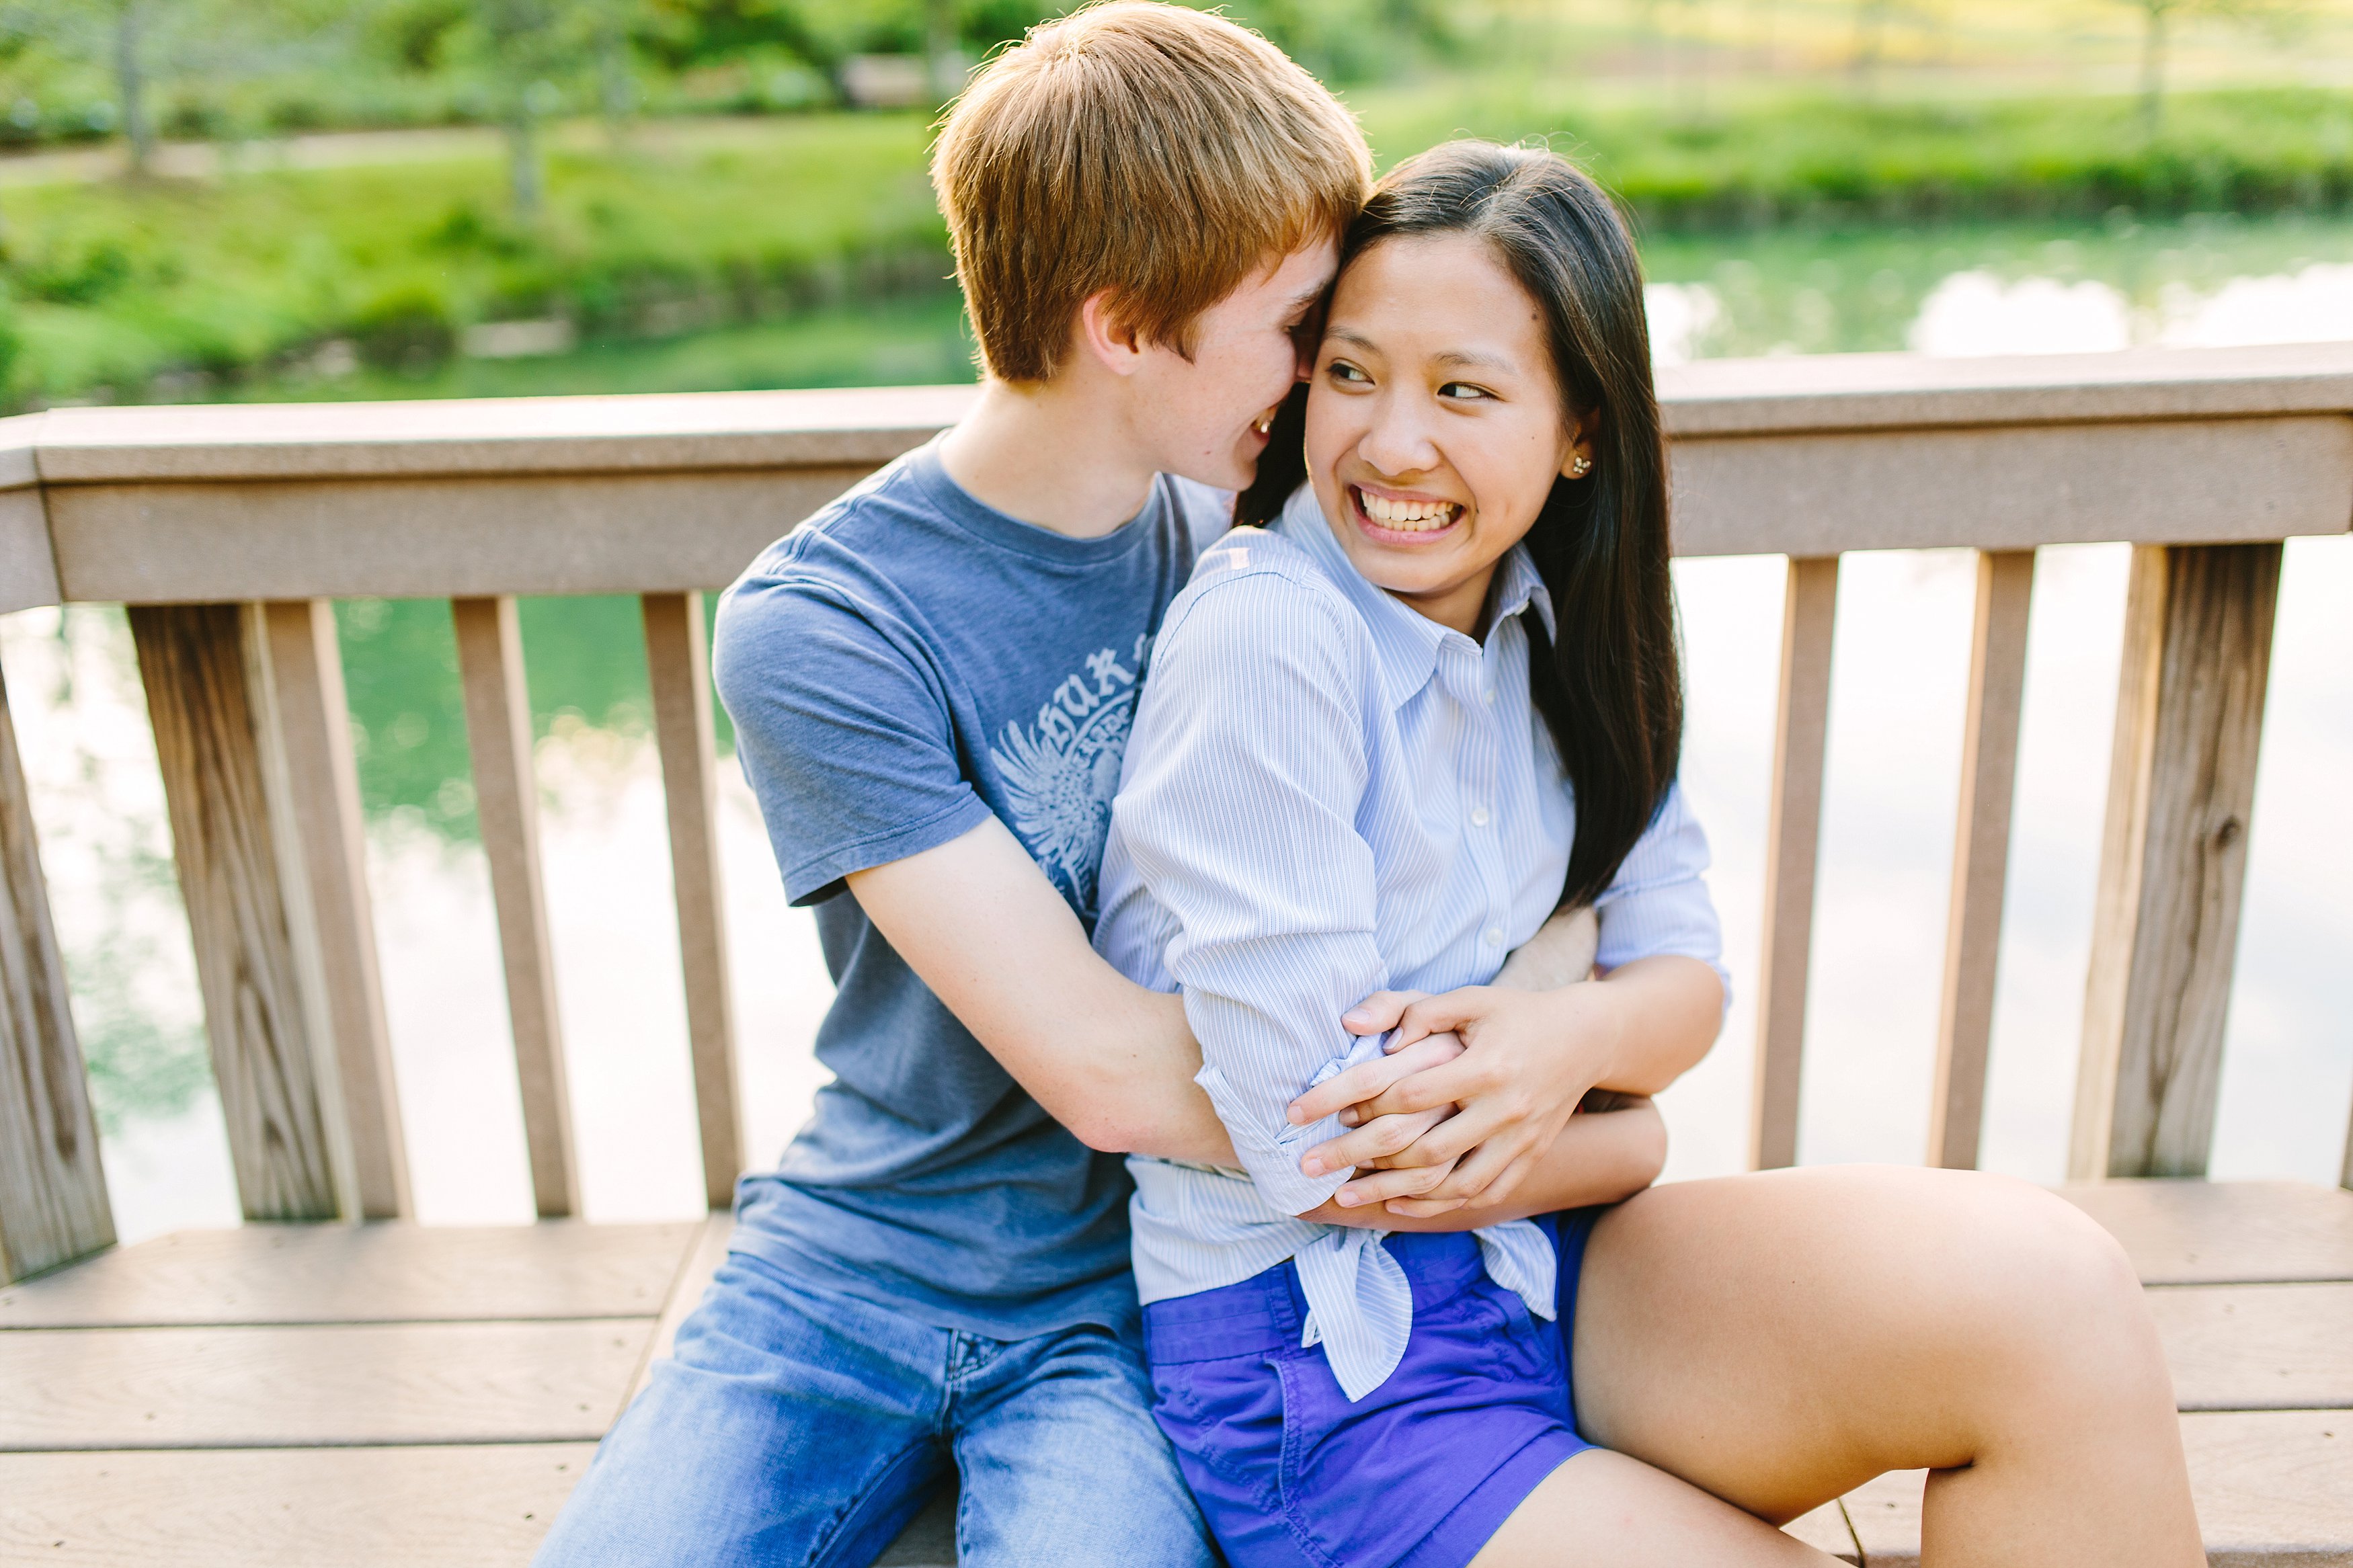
(1395, 515)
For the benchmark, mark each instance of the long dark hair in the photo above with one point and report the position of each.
(1611, 690)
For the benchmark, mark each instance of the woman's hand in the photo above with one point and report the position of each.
(1525, 1061)
(1379, 1136)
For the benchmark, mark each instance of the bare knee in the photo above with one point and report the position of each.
(2059, 1325)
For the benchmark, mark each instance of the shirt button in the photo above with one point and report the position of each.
(1489, 695)
(1494, 936)
(1479, 816)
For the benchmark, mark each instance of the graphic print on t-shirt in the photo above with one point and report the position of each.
(1061, 774)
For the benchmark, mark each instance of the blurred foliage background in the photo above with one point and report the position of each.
(241, 198)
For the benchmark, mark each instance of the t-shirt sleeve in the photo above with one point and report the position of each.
(843, 733)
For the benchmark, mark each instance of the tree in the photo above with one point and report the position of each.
(1870, 41)
(144, 44)
(2156, 24)
(525, 49)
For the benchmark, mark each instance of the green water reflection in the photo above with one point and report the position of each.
(583, 656)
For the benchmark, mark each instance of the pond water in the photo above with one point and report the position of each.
(1894, 761)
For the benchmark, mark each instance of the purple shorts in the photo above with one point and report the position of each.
(1418, 1473)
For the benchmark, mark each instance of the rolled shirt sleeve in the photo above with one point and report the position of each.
(1245, 772)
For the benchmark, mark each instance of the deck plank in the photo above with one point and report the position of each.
(316, 1384)
(2274, 1488)
(929, 1540)
(289, 1508)
(2258, 1347)
(2222, 1233)
(1826, 1530)
(361, 1274)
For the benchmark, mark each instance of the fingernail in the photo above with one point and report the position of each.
(1349, 1117)
(1312, 1166)
(1298, 1117)
(1347, 1199)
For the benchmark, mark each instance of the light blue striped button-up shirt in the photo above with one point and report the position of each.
(1326, 794)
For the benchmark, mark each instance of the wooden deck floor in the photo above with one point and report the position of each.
(323, 1396)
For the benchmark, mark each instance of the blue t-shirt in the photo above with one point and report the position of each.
(898, 668)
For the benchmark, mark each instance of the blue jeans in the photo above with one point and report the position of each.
(798, 1427)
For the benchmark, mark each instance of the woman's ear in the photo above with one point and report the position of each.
(1579, 462)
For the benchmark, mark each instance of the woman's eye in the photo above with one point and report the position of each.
(1342, 371)
(1464, 390)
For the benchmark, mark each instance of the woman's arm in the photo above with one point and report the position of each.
(1532, 1059)
(1597, 1158)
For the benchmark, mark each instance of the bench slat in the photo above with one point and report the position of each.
(361, 1274)
(2258, 1347)
(287, 1508)
(316, 1385)
(2214, 1233)
(2273, 1488)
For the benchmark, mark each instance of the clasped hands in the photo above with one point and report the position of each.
(1476, 1084)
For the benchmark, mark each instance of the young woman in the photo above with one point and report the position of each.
(1435, 699)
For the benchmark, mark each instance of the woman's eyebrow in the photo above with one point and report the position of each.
(1477, 361)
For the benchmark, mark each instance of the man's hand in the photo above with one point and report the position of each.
(1560, 953)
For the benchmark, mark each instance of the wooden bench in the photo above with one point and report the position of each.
(327, 1393)
(293, 1396)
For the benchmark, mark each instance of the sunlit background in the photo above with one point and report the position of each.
(301, 199)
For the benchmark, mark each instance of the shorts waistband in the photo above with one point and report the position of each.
(1267, 1311)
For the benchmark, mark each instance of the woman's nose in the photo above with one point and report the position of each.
(1397, 442)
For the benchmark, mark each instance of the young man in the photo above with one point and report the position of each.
(931, 682)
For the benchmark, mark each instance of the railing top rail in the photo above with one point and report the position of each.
(1896, 391)
(673, 432)
(663, 432)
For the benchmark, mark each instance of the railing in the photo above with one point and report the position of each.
(229, 531)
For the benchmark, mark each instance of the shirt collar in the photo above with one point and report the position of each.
(1407, 641)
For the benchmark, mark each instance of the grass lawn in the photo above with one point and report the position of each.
(232, 286)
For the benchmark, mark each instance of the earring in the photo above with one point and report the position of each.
(1579, 465)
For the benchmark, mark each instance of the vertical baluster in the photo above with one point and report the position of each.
(53, 1205)
(2173, 858)
(1980, 853)
(2345, 1174)
(1801, 733)
(314, 728)
(209, 701)
(678, 669)
(506, 803)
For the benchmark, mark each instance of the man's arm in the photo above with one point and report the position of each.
(1597, 1158)
(1113, 1062)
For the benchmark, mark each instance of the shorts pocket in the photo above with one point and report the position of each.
(1226, 1417)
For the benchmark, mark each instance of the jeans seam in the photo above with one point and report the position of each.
(859, 1494)
(959, 1376)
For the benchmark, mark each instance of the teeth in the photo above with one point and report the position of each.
(1412, 516)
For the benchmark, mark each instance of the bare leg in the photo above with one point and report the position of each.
(1778, 1339)
(1605, 1511)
